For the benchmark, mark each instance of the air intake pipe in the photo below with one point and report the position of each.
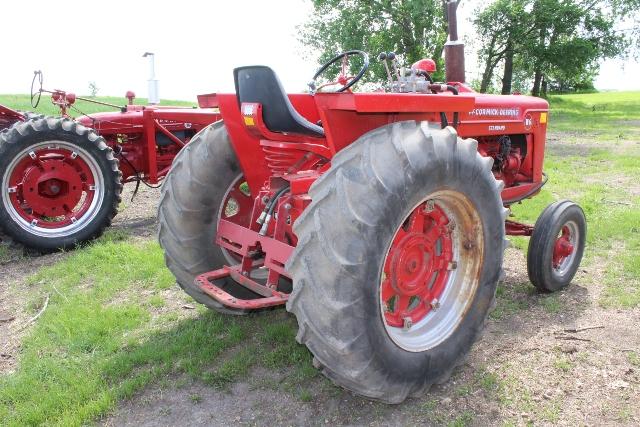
(453, 49)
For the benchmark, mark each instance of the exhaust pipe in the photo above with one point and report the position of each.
(453, 49)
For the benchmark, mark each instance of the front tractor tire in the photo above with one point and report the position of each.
(60, 183)
(556, 246)
(205, 183)
(398, 258)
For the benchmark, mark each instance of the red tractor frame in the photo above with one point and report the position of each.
(378, 218)
(62, 177)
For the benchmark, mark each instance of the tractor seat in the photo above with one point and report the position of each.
(259, 84)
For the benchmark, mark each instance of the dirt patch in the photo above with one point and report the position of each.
(19, 302)
(575, 144)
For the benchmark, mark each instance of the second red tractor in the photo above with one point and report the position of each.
(61, 178)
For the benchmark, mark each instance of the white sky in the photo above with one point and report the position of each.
(196, 44)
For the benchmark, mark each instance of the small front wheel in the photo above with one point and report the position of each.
(556, 246)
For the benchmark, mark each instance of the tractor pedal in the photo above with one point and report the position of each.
(269, 297)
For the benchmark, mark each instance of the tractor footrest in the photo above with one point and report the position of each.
(269, 297)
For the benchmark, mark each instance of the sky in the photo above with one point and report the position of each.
(197, 44)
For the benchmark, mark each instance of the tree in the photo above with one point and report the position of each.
(500, 27)
(93, 89)
(550, 39)
(414, 29)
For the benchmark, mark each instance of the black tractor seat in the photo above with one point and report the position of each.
(260, 84)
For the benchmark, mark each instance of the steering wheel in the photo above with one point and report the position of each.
(35, 96)
(343, 79)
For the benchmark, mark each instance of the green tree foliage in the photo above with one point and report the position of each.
(414, 29)
(557, 42)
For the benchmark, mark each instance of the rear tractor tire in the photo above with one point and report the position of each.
(60, 183)
(205, 183)
(556, 246)
(398, 259)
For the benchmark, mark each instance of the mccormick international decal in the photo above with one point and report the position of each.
(496, 112)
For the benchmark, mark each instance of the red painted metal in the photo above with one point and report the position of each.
(416, 268)
(562, 247)
(136, 133)
(269, 296)
(513, 228)
(426, 65)
(52, 186)
(8, 117)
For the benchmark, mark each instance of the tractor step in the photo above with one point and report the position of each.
(270, 297)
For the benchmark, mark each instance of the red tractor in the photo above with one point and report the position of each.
(62, 178)
(379, 218)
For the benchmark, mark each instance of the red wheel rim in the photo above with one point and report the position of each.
(238, 204)
(416, 268)
(431, 271)
(237, 208)
(53, 188)
(563, 247)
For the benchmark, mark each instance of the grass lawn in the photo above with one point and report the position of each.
(115, 323)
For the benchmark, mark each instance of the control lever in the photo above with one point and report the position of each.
(383, 57)
(392, 57)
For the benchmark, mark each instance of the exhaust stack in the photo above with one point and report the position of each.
(453, 49)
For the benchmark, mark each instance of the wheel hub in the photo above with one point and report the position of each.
(52, 189)
(563, 247)
(411, 264)
(417, 266)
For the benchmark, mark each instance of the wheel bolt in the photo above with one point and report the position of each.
(407, 323)
(452, 265)
(429, 206)
(435, 304)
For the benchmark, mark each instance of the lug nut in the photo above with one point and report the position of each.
(407, 323)
(435, 304)
(429, 206)
(452, 265)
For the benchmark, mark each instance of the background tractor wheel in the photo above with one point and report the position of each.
(60, 183)
(205, 183)
(29, 115)
(398, 258)
(556, 246)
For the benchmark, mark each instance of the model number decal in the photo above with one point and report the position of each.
(497, 127)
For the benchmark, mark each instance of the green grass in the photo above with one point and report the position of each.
(23, 102)
(99, 341)
(604, 115)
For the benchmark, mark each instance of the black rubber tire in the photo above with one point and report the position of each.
(30, 115)
(190, 201)
(356, 208)
(542, 241)
(39, 129)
